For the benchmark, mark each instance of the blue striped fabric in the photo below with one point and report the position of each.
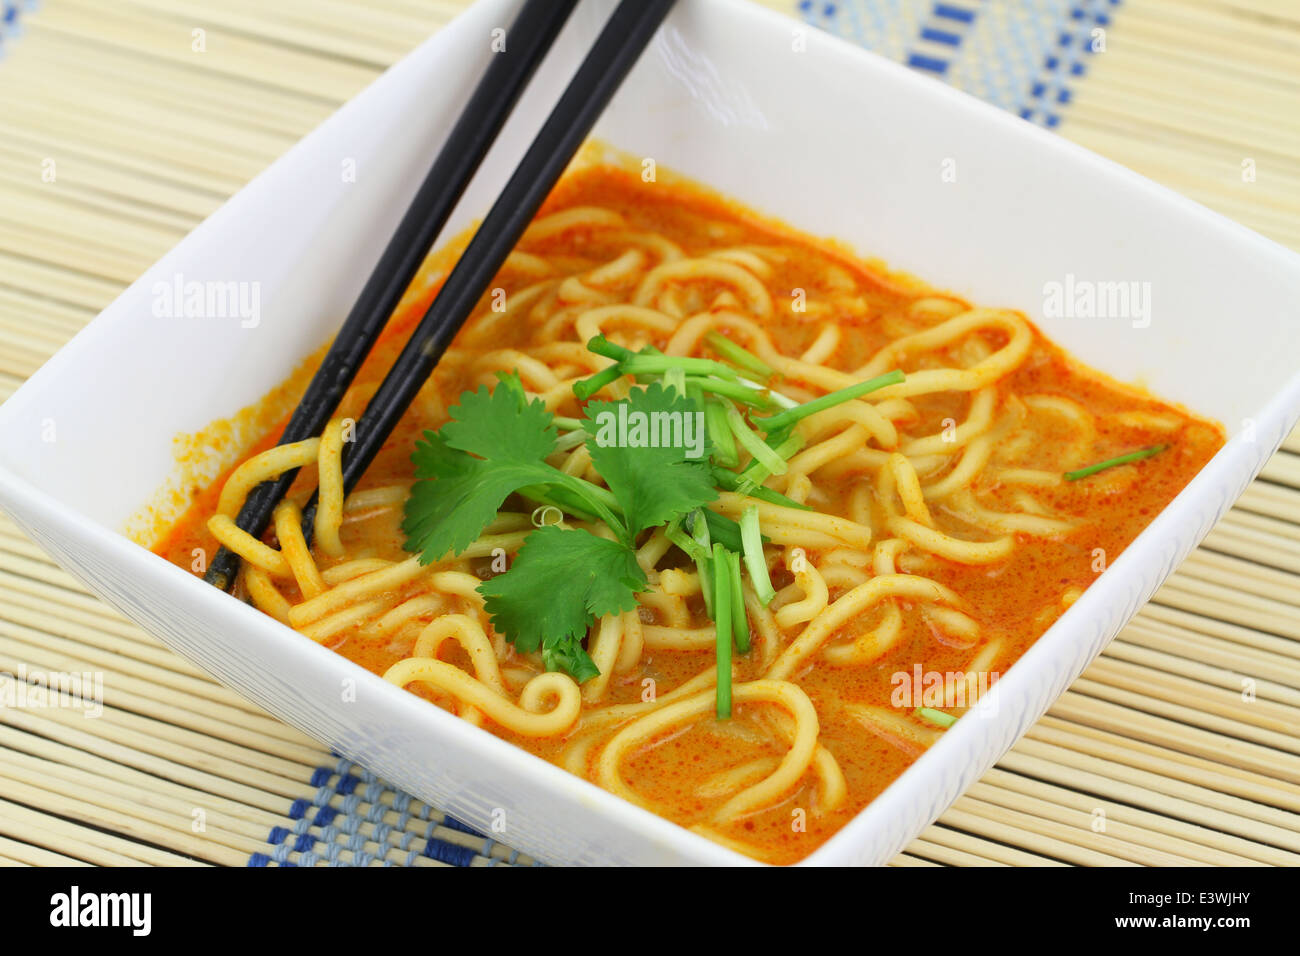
(1025, 56)
(349, 817)
(11, 14)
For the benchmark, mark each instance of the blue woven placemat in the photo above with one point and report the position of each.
(11, 17)
(1025, 56)
(346, 811)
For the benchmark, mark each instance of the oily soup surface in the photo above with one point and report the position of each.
(961, 487)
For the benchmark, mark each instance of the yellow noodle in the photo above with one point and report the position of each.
(790, 526)
(293, 545)
(850, 605)
(578, 217)
(264, 593)
(231, 536)
(954, 549)
(525, 718)
(815, 596)
(366, 586)
(271, 463)
(792, 767)
(329, 504)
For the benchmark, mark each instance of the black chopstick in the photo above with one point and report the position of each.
(616, 50)
(529, 38)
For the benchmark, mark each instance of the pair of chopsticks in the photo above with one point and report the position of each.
(530, 36)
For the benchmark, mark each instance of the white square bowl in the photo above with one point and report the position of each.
(802, 126)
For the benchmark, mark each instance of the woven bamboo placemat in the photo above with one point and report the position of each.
(124, 125)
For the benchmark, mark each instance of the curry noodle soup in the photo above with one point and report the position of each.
(879, 558)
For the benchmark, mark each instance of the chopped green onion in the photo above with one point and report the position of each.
(740, 356)
(603, 346)
(511, 381)
(739, 619)
(752, 443)
(791, 415)
(936, 717)
(697, 524)
(642, 363)
(721, 528)
(567, 424)
(722, 624)
(1111, 462)
(571, 439)
(755, 560)
(724, 446)
(753, 397)
(590, 386)
(675, 379)
(756, 472)
(730, 481)
(698, 546)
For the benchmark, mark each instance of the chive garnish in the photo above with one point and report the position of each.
(724, 446)
(936, 717)
(749, 440)
(730, 481)
(650, 364)
(722, 624)
(723, 529)
(739, 619)
(570, 440)
(755, 560)
(590, 386)
(694, 540)
(675, 378)
(1112, 462)
(738, 391)
(752, 478)
(603, 346)
(791, 415)
(739, 355)
(704, 557)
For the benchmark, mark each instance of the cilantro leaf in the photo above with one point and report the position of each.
(457, 495)
(448, 514)
(652, 484)
(568, 654)
(560, 583)
(500, 426)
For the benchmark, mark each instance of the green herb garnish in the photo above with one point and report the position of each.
(739, 619)
(722, 622)
(564, 579)
(936, 717)
(785, 419)
(740, 356)
(560, 582)
(1112, 462)
(755, 561)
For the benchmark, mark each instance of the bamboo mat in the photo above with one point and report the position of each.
(117, 138)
